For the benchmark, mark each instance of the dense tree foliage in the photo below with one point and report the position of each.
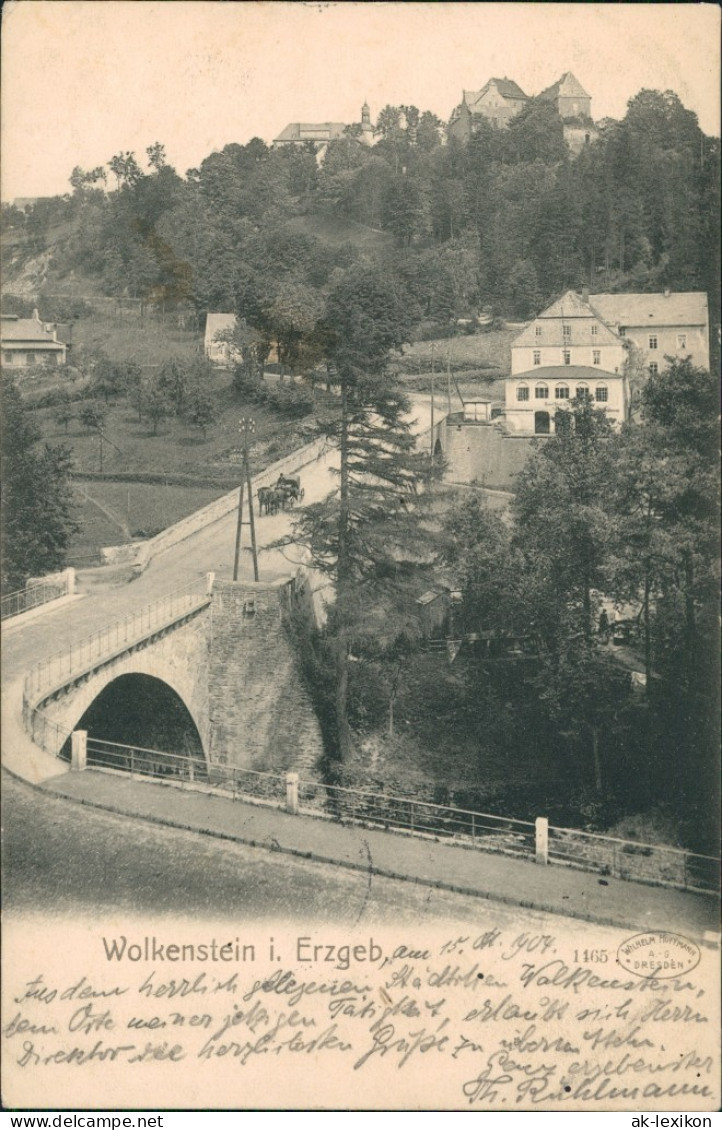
(631, 517)
(637, 209)
(37, 508)
(367, 534)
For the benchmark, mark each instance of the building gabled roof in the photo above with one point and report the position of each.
(506, 87)
(548, 374)
(570, 305)
(571, 310)
(295, 131)
(567, 86)
(688, 308)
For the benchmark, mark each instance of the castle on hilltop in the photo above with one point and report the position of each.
(501, 99)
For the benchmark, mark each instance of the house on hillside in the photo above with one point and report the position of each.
(216, 345)
(498, 102)
(320, 134)
(596, 344)
(28, 341)
(659, 325)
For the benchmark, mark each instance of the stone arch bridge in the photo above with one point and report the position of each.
(213, 660)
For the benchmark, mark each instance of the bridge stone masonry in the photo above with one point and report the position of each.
(221, 651)
(261, 716)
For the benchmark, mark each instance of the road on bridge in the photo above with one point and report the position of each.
(110, 595)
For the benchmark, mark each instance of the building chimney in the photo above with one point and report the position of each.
(585, 294)
(667, 292)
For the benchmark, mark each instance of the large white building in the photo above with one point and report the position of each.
(592, 345)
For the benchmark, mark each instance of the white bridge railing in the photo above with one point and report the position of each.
(57, 669)
(624, 859)
(33, 595)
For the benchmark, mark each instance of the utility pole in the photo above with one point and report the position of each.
(448, 381)
(432, 404)
(246, 426)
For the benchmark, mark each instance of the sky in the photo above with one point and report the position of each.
(84, 79)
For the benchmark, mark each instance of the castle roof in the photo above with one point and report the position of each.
(506, 87)
(567, 86)
(311, 131)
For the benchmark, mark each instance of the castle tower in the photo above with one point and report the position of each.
(367, 130)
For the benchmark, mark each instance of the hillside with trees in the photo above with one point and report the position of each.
(338, 265)
(507, 221)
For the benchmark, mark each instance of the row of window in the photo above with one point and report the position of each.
(653, 340)
(567, 357)
(567, 330)
(561, 392)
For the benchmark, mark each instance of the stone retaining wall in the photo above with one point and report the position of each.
(142, 553)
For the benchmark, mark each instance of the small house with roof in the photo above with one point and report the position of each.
(498, 102)
(28, 341)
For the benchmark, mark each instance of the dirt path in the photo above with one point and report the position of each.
(113, 515)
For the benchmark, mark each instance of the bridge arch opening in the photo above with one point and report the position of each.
(141, 711)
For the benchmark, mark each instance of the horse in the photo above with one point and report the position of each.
(265, 500)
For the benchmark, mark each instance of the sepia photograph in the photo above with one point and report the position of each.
(360, 558)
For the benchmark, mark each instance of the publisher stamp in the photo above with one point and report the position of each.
(659, 955)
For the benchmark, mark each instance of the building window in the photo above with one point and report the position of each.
(595, 330)
(561, 392)
(653, 368)
(541, 392)
(522, 392)
(582, 392)
(602, 394)
(622, 331)
(567, 331)
(537, 331)
(681, 341)
(537, 356)
(7, 358)
(567, 357)
(652, 341)
(30, 358)
(596, 356)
